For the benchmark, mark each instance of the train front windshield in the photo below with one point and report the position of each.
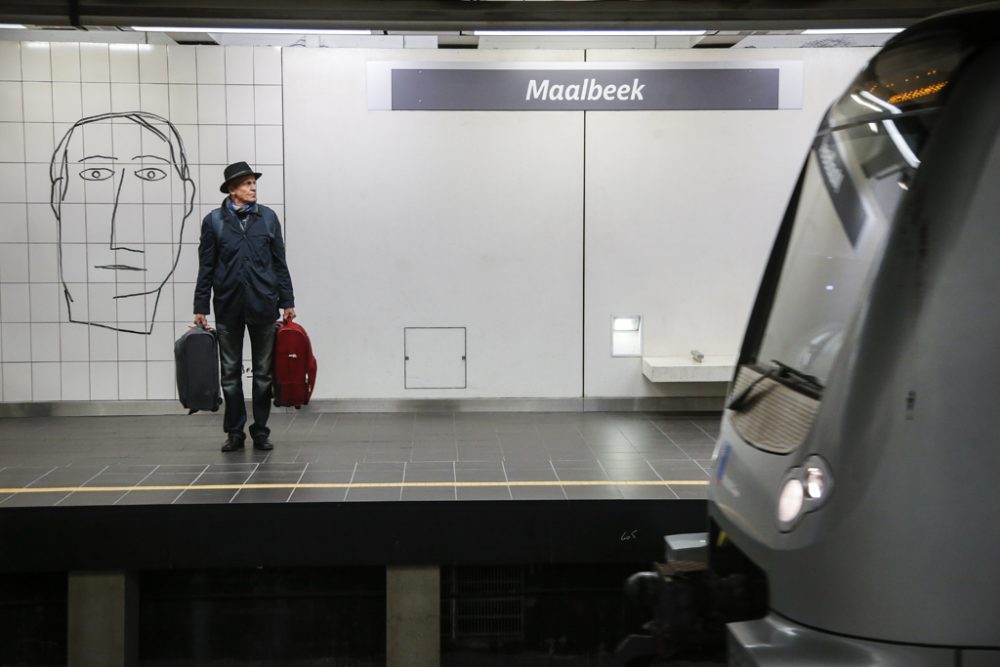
(854, 181)
(857, 175)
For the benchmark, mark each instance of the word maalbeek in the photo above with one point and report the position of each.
(588, 90)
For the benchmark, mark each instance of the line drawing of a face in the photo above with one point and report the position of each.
(123, 186)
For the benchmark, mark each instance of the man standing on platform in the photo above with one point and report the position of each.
(242, 259)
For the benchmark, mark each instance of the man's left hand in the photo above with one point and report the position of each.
(289, 314)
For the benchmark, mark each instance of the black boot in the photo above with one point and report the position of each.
(263, 443)
(233, 442)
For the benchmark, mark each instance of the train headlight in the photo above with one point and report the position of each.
(804, 489)
(815, 482)
(790, 501)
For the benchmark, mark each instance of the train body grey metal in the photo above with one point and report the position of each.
(861, 474)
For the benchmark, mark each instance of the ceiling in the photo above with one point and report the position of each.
(465, 15)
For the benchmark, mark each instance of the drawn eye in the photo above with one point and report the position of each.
(96, 174)
(151, 174)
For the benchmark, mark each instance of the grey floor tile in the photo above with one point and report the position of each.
(33, 499)
(83, 499)
(691, 492)
(318, 495)
(646, 492)
(430, 472)
(148, 498)
(197, 496)
(592, 492)
(530, 473)
(384, 494)
(581, 474)
(426, 494)
(483, 493)
(537, 493)
(262, 496)
(494, 474)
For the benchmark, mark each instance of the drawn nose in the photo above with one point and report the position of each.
(116, 222)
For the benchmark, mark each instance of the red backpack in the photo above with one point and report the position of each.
(294, 366)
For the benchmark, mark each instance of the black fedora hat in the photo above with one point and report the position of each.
(236, 170)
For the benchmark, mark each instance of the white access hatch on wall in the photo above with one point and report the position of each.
(434, 357)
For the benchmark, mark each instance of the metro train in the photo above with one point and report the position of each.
(856, 477)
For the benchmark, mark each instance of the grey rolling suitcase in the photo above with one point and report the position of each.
(196, 355)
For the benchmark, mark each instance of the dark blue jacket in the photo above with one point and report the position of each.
(245, 269)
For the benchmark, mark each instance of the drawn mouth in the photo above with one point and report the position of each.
(119, 267)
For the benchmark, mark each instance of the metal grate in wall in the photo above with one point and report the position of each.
(482, 603)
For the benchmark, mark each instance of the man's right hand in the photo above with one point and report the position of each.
(201, 320)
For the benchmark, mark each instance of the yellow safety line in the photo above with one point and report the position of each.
(348, 485)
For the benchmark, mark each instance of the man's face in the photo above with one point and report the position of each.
(134, 206)
(243, 191)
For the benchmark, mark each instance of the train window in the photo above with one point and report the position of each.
(915, 74)
(855, 179)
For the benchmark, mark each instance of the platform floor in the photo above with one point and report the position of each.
(331, 457)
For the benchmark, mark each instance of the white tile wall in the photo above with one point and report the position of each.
(39, 183)
(153, 63)
(269, 145)
(45, 356)
(130, 346)
(239, 64)
(160, 380)
(96, 98)
(211, 64)
(212, 104)
(45, 302)
(15, 339)
(271, 188)
(125, 63)
(13, 223)
(13, 262)
(16, 382)
(35, 61)
(14, 303)
(67, 102)
(65, 61)
(239, 105)
(37, 97)
(75, 307)
(124, 96)
(45, 382)
(10, 61)
(181, 65)
(240, 143)
(267, 65)
(38, 141)
(74, 263)
(183, 103)
(44, 341)
(132, 380)
(11, 142)
(213, 150)
(104, 381)
(12, 183)
(267, 105)
(153, 98)
(101, 308)
(75, 381)
(44, 263)
(74, 341)
(95, 62)
(160, 343)
(10, 101)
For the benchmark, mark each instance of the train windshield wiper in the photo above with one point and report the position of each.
(782, 372)
(787, 373)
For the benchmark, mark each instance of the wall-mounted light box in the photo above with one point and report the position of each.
(626, 335)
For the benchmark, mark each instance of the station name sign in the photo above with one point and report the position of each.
(463, 86)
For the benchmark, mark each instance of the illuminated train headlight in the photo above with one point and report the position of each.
(803, 489)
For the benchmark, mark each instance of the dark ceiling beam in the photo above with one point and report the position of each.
(441, 15)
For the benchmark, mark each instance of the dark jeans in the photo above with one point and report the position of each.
(231, 359)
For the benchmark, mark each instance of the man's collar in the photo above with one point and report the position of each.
(249, 208)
